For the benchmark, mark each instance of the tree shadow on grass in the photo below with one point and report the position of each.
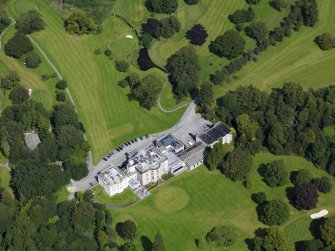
(314, 227)
(289, 194)
(146, 243)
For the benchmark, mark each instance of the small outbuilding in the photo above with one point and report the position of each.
(32, 140)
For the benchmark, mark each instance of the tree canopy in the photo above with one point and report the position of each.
(221, 236)
(275, 173)
(197, 35)
(271, 239)
(162, 6)
(18, 45)
(274, 212)
(325, 41)
(305, 196)
(79, 23)
(30, 22)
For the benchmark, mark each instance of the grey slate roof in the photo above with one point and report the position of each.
(32, 140)
(214, 133)
(169, 140)
(193, 153)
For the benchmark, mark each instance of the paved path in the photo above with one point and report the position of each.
(115, 206)
(11, 24)
(172, 110)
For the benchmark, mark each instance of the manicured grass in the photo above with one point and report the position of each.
(61, 195)
(123, 198)
(4, 177)
(188, 206)
(109, 117)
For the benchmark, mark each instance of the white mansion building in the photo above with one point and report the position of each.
(165, 155)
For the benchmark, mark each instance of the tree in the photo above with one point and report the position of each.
(147, 91)
(236, 164)
(215, 156)
(197, 35)
(327, 232)
(61, 85)
(79, 23)
(323, 184)
(19, 94)
(325, 41)
(126, 230)
(310, 245)
(302, 176)
(33, 61)
(30, 22)
(275, 173)
(61, 96)
(259, 197)
(274, 212)
(253, 2)
(190, 2)
(229, 45)
(206, 100)
(121, 65)
(200, 243)
(257, 31)
(271, 239)
(305, 196)
(221, 236)
(152, 27)
(146, 40)
(108, 52)
(64, 114)
(158, 244)
(169, 26)
(183, 67)
(9, 81)
(246, 126)
(162, 6)
(242, 16)
(18, 45)
(278, 4)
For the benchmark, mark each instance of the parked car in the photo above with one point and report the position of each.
(105, 159)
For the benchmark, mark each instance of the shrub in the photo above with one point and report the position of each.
(146, 40)
(33, 61)
(253, 2)
(274, 212)
(60, 96)
(197, 35)
(45, 77)
(162, 6)
(248, 184)
(325, 41)
(79, 23)
(242, 16)
(123, 83)
(191, 1)
(302, 176)
(122, 65)
(18, 45)
(275, 174)
(30, 22)
(323, 184)
(61, 85)
(108, 52)
(259, 198)
(221, 236)
(200, 243)
(97, 51)
(9, 81)
(19, 94)
(305, 196)
(229, 45)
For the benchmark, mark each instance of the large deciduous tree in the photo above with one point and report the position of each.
(271, 239)
(275, 173)
(197, 35)
(274, 212)
(30, 22)
(221, 236)
(162, 6)
(305, 196)
(183, 67)
(18, 45)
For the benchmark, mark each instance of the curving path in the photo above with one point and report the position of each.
(5, 30)
(172, 110)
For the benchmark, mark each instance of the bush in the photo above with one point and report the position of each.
(19, 94)
(30, 22)
(79, 23)
(221, 236)
(191, 1)
(325, 41)
(18, 45)
(200, 243)
(259, 198)
(33, 61)
(302, 176)
(323, 184)
(305, 196)
(60, 96)
(197, 35)
(97, 51)
(45, 77)
(253, 2)
(229, 45)
(274, 212)
(61, 85)
(275, 174)
(248, 184)
(162, 6)
(108, 52)
(123, 83)
(121, 65)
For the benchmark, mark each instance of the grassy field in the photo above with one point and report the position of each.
(123, 198)
(189, 205)
(109, 117)
(297, 59)
(42, 91)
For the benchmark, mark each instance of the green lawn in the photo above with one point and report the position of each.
(109, 117)
(189, 205)
(123, 198)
